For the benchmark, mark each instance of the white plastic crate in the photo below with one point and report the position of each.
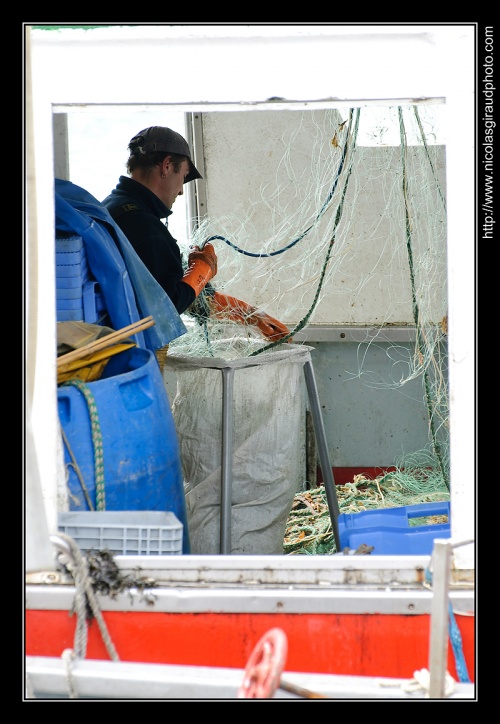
(131, 532)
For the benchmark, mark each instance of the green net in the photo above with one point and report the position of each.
(309, 527)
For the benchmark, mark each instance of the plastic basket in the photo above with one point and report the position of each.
(124, 532)
(389, 531)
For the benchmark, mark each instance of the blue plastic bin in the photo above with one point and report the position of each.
(78, 295)
(142, 466)
(389, 532)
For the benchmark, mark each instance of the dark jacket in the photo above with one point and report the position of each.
(138, 213)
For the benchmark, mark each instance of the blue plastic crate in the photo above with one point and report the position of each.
(84, 303)
(80, 271)
(93, 302)
(69, 244)
(65, 293)
(71, 282)
(63, 304)
(78, 295)
(389, 531)
(69, 315)
(69, 257)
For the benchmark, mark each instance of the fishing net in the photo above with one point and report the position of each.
(354, 227)
(415, 481)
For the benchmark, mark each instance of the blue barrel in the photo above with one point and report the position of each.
(141, 458)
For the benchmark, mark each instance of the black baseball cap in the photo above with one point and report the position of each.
(160, 138)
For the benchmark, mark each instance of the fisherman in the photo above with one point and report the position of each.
(159, 165)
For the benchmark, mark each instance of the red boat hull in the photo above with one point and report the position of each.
(360, 645)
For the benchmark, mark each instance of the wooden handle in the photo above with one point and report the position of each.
(106, 341)
(300, 691)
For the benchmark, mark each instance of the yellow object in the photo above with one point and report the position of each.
(161, 356)
(90, 368)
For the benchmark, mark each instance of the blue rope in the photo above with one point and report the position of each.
(456, 644)
(455, 639)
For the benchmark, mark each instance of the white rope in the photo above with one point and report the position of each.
(421, 682)
(77, 565)
(68, 656)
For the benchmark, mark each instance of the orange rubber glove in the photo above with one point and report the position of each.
(234, 309)
(202, 266)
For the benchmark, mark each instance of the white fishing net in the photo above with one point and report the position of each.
(345, 231)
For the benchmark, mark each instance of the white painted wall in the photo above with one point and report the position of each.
(263, 175)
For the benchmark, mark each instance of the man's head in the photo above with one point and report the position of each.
(150, 146)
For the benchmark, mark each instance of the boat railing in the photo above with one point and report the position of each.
(441, 615)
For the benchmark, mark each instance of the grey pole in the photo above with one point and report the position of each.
(227, 457)
(324, 458)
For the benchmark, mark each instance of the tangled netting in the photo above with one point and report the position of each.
(345, 221)
(309, 526)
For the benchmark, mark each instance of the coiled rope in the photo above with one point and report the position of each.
(85, 599)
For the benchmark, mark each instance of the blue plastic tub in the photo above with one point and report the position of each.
(389, 531)
(142, 467)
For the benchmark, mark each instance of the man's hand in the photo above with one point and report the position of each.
(238, 311)
(202, 267)
(207, 254)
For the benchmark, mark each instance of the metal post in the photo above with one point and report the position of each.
(438, 645)
(324, 458)
(440, 616)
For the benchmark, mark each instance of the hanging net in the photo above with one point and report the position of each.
(355, 221)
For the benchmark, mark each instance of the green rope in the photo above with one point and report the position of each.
(300, 326)
(308, 529)
(96, 441)
(424, 141)
(78, 473)
(416, 311)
